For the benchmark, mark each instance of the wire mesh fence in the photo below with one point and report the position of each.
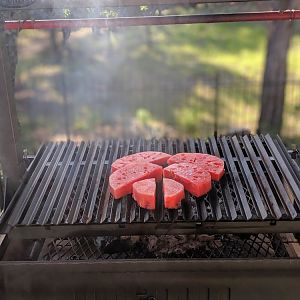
(197, 106)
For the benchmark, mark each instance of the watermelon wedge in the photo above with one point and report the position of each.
(158, 158)
(121, 181)
(173, 193)
(194, 179)
(144, 193)
(210, 163)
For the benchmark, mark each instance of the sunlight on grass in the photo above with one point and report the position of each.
(293, 58)
(45, 71)
(165, 76)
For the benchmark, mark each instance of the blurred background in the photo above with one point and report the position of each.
(173, 81)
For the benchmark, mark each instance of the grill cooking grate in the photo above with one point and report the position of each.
(68, 184)
(164, 247)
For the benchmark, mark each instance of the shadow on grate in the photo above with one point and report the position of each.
(166, 247)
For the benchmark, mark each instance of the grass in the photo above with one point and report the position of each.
(168, 71)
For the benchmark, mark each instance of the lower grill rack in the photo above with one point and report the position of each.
(229, 246)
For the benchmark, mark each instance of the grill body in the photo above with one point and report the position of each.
(165, 280)
(51, 230)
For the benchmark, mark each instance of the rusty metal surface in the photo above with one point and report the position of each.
(287, 15)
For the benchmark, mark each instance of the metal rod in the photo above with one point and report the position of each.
(2, 198)
(153, 20)
(216, 104)
(9, 5)
(10, 146)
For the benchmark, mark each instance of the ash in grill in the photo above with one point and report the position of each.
(162, 247)
(67, 184)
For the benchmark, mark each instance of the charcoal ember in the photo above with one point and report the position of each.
(101, 242)
(161, 247)
(134, 239)
(178, 245)
(152, 243)
(216, 244)
(205, 237)
(117, 246)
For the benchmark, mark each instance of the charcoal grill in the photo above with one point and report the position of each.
(66, 191)
(63, 236)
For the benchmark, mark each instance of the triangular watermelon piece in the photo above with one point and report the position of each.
(144, 193)
(121, 181)
(212, 164)
(173, 193)
(194, 179)
(154, 157)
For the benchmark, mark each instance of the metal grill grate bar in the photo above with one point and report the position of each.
(262, 180)
(105, 194)
(231, 212)
(50, 201)
(290, 163)
(236, 180)
(30, 187)
(66, 193)
(284, 170)
(43, 187)
(73, 214)
(69, 184)
(283, 196)
(202, 200)
(214, 200)
(256, 198)
(89, 206)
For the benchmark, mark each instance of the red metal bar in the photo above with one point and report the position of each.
(153, 20)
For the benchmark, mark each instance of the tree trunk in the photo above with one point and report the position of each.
(274, 82)
(59, 53)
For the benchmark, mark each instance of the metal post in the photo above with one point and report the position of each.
(1, 197)
(60, 52)
(10, 150)
(216, 104)
(64, 56)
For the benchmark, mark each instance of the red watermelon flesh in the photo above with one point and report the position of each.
(173, 193)
(212, 164)
(194, 179)
(121, 181)
(144, 193)
(158, 158)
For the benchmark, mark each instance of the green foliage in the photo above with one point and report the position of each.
(188, 120)
(159, 75)
(86, 120)
(67, 13)
(109, 13)
(144, 8)
(144, 116)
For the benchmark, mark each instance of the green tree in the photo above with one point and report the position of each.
(275, 74)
